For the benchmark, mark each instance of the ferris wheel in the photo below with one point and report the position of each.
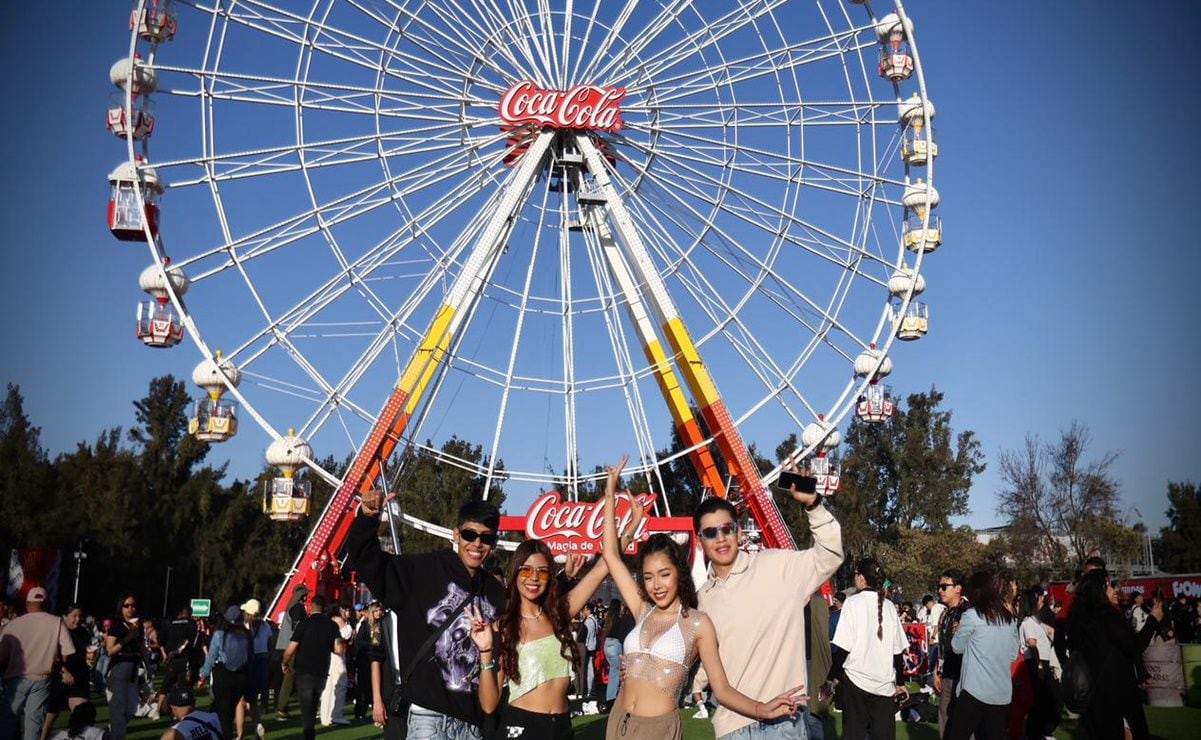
(559, 230)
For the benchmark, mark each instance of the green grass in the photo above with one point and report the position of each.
(1167, 723)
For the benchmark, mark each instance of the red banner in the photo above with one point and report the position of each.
(1166, 587)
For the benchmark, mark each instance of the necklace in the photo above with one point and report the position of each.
(533, 617)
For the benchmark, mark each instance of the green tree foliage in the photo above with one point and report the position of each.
(1060, 500)
(912, 473)
(27, 490)
(1180, 540)
(432, 488)
(919, 556)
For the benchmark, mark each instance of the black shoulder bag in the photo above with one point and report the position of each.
(398, 703)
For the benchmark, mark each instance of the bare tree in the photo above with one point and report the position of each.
(1054, 493)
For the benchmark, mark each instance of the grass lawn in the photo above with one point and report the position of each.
(1170, 724)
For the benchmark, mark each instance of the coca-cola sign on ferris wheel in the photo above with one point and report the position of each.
(578, 526)
(583, 107)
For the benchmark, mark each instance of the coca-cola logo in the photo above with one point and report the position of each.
(575, 526)
(583, 107)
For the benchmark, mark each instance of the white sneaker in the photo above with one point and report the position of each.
(702, 712)
(260, 730)
(590, 707)
(154, 713)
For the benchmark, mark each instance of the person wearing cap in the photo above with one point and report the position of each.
(181, 637)
(283, 681)
(228, 663)
(29, 647)
(189, 723)
(256, 678)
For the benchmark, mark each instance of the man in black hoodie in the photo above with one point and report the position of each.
(425, 590)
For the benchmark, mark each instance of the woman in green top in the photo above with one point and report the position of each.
(534, 648)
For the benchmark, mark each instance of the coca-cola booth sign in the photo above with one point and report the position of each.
(583, 107)
(578, 526)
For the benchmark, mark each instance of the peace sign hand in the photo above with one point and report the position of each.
(615, 476)
(481, 631)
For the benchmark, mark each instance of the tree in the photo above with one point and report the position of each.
(1054, 495)
(911, 473)
(27, 491)
(917, 559)
(1180, 540)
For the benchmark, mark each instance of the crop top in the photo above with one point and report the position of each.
(662, 647)
(539, 661)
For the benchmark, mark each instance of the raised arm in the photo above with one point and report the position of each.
(587, 585)
(612, 546)
(365, 555)
(730, 697)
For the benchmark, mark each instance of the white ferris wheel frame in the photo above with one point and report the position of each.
(834, 415)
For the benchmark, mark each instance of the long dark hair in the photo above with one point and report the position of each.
(1027, 603)
(1091, 603)
(121, 600)
(984, 592)
(553, 604)
(661, 542)
(873, 575)
(612, 616)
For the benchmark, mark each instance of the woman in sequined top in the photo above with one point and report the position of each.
(671, 633)
(534, 651)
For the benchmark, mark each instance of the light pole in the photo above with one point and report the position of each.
(166, 590)
(80, 556)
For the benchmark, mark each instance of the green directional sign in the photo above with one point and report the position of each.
(201, 607)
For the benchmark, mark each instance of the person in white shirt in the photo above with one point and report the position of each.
(189, 723)
(867, 647)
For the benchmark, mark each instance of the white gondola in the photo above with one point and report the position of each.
(128, 215)
(215, 419)
(288, 499)
(159, 324)
(155, 21)
(896, 60)
(138, 120)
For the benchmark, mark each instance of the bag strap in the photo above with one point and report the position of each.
(433, 638)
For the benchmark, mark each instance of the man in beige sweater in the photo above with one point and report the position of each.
(757, 603)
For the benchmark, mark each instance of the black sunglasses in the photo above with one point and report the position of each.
(945, 586)
(712, 533)
(129, 606)
(470, 535)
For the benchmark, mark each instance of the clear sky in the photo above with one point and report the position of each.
(1064, 289)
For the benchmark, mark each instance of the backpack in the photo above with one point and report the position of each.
(237, 647)
(1077, 684)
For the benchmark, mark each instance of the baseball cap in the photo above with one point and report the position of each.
(252, 607)
(37, 593)
(233, 614)
(181, 697)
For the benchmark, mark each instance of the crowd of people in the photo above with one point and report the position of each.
(450, 650)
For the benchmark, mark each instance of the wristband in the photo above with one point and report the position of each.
(816, 503)
(491, 665)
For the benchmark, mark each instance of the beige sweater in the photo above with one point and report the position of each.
(759, 613)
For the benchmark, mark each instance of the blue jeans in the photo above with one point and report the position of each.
(123, 685)
(779, 729)
(28, 696)
(613, 655)
(426, 724)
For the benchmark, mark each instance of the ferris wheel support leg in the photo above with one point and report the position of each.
(330, 532)
(696, 375)
(669, 385)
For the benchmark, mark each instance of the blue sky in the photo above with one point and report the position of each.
(1065, 289)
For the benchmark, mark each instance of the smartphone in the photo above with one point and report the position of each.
(803, 483)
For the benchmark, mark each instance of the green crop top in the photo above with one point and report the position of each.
(539, 661)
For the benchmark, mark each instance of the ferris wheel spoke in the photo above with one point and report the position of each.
(340, 44)
(707, 116)
(339, 211)
(747, 68)
(682, 257)
(669, 190)
(612, 34)
(243, 87)
(457, 24)
(670, 55)
(699, 184)
(708, 299)
(834, 178)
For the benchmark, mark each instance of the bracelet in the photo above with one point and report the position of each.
(491, 665)
(488, 650)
